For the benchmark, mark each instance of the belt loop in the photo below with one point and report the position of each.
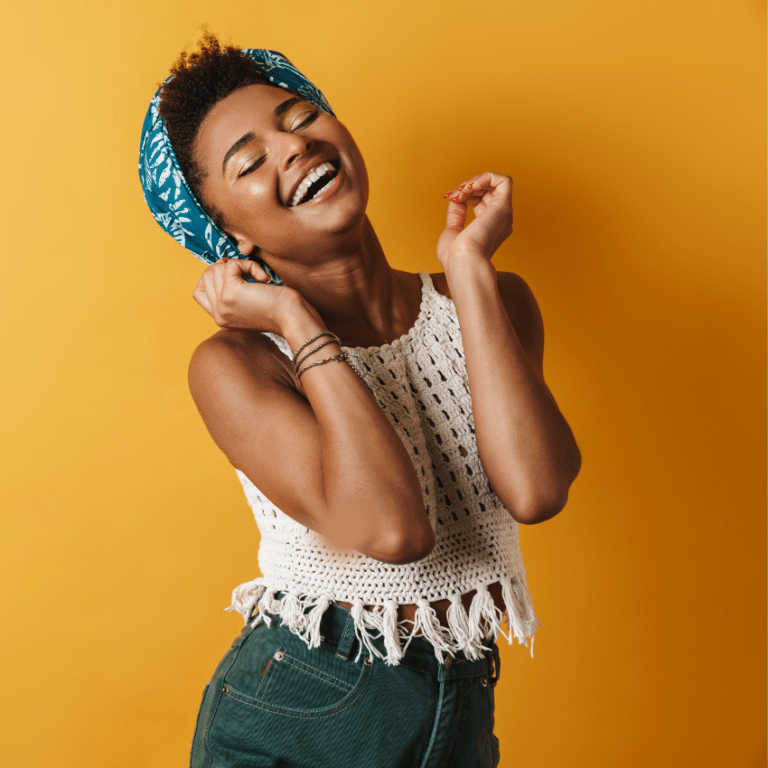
(496, 665)
(347, 638)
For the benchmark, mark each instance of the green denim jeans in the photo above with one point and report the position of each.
(274, 703)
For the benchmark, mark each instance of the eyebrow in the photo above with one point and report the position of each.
(280, 110)
(238, 145)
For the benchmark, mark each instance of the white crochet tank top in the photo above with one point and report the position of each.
(420, 381)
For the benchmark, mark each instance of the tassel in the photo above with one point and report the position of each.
(391, 634)
(383, 621)
(521, 627)
(389, 631)
(313, 619)
(245, 597)
(426, 623)
(458, 621)
(358, 614)
(292, 614)
(268, 604)
(484, 619)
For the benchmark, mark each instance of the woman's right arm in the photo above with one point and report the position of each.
(329, 457)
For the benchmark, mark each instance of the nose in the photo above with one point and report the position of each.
(292, 147)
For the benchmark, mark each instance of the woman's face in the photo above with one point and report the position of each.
(258, 147)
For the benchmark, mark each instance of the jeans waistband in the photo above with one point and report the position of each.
(337, 629)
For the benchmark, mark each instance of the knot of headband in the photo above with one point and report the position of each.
(166, 191)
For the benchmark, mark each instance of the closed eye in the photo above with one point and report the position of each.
(252, 167)
(306, 121)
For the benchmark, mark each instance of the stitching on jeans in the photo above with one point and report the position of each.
(318, 673)
(449, 762)
(215, 685)
(266, 679)
(316, 714)
(365, 674)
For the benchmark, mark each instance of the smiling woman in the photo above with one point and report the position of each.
(391, 430)
(267, 161)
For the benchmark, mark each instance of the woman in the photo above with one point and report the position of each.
(388, 456)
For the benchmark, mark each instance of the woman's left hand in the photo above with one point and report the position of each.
(490, 194)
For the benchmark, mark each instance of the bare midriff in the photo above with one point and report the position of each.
(408, 612)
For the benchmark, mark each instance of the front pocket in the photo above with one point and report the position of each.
(294, 687)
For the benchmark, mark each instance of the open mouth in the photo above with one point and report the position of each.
(315, 182)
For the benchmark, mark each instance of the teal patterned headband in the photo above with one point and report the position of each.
(166, 191)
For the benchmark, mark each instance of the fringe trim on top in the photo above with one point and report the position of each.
(466, 632)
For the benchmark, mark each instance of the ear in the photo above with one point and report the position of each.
(246, 246)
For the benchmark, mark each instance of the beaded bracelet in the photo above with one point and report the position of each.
(341, 357)
(312, 351)
(314, 338)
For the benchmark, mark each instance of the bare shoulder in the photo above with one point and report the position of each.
(440, 281)
(524, 314)
(231, 359)
(521, 307)
(244, 388)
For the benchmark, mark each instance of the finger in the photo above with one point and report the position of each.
(212, 297)
(492, 181)
(201, 298)
(473, 193)
(482, 183)
(202, 295)
(242, 269)
(455, 191)
(255, 270)
(486, 193)
(217, 277)
(477, 185)
(455, 216)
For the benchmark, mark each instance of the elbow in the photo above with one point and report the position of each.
(404, 546)
(537, 506)
(543, 499)
(538, 512)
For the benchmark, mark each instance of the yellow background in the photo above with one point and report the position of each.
(635, 134)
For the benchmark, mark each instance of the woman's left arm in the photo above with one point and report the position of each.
(525, 445)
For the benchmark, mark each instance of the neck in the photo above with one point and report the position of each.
(358, 295)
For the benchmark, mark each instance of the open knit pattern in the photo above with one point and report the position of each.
(420, 381)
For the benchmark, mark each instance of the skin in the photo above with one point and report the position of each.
(321, 448)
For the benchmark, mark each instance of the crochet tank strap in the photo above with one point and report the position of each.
(426, 283)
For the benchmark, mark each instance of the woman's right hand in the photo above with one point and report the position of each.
(224, 293)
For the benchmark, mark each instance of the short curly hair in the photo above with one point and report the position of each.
(200, 80)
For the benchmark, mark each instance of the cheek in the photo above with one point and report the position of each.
(250, 201)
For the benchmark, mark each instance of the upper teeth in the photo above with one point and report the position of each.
(310, 179)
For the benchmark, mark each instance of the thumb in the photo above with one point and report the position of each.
(455, 217)
(454, 225)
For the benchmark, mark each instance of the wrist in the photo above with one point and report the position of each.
(300, 323)
(465, 265)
